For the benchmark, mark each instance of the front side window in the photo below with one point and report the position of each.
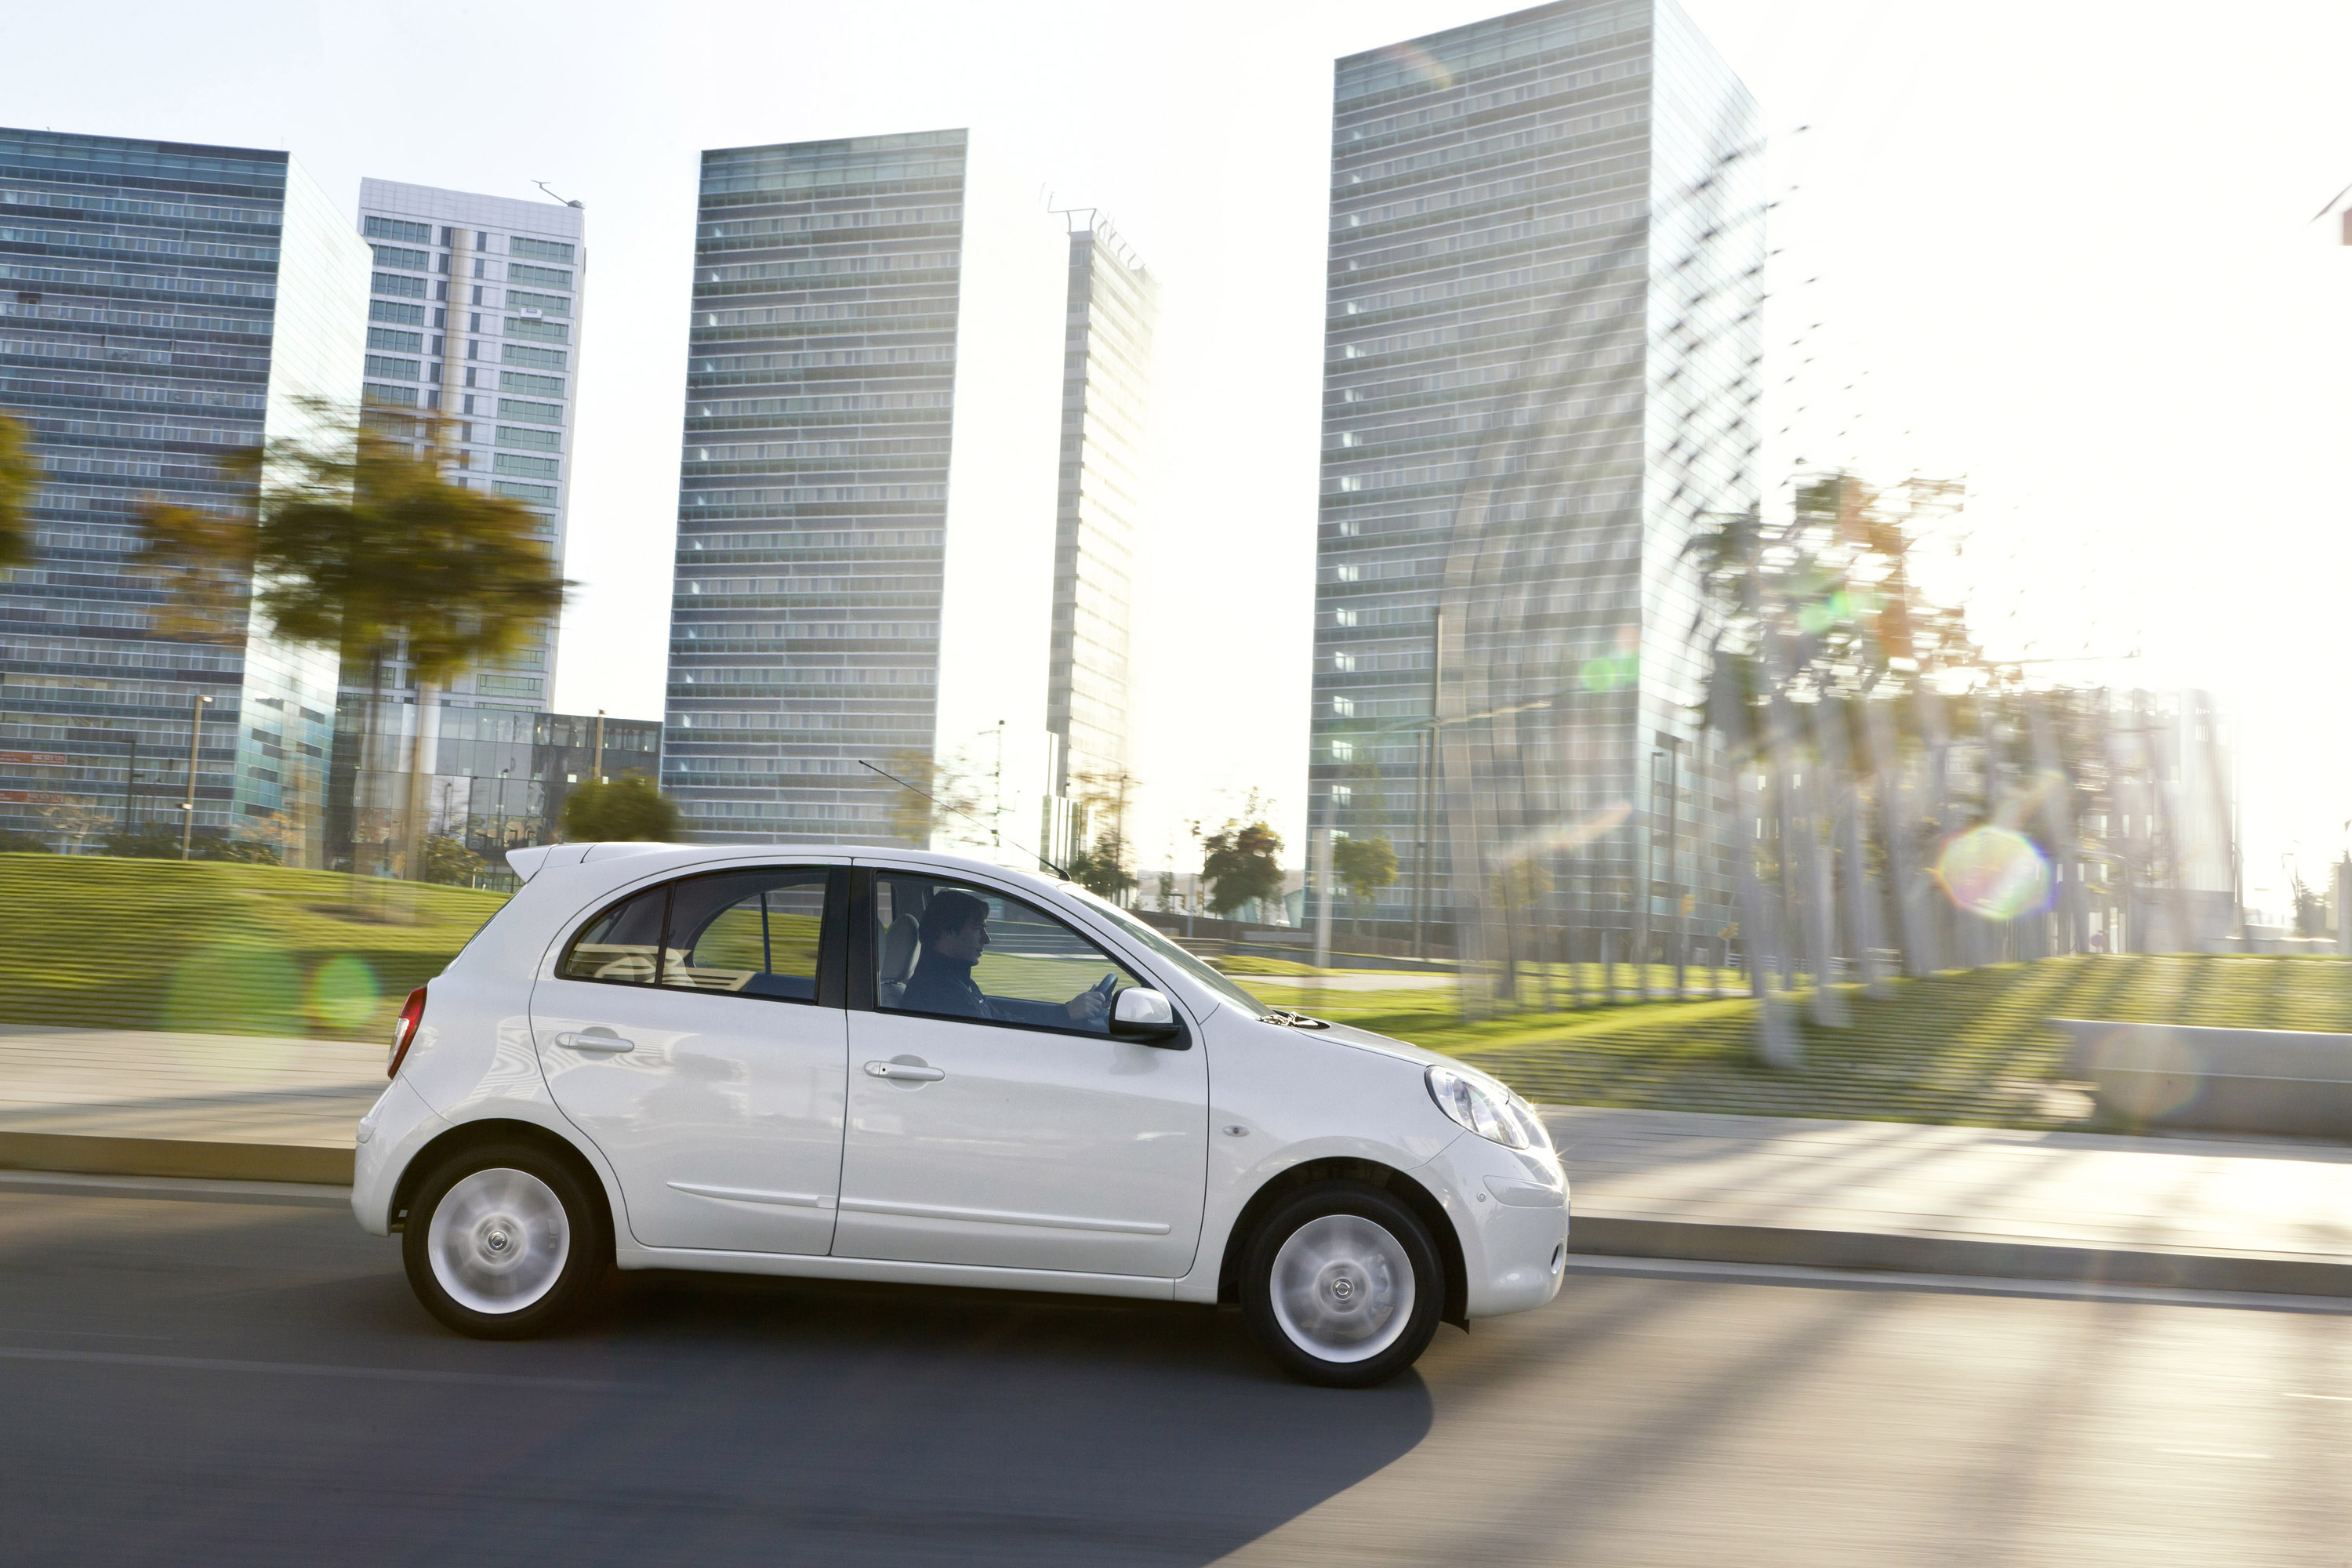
(746, 933)
(954, 949)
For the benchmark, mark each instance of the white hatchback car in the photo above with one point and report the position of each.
(874, 1064)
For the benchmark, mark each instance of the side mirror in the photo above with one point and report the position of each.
(1148, 1018)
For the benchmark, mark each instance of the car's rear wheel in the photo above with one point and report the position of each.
(504, 1243)
(1342, 1285)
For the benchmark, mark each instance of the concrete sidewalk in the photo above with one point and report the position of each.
(2211, 1213)
(2188, 1213)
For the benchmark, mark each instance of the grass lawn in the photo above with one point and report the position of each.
(98, 942)
(1967, 1046)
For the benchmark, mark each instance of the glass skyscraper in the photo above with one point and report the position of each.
(160, 306)
(476, 314)
(1541, 376)
(866, 500)
(1105, 404)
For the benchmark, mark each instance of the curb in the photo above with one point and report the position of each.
(1861, 1251)
(1878, 1252)
(175, 1157)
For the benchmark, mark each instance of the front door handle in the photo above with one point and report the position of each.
(599, 1040)
(903, 1071)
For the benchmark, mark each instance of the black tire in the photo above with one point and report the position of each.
(515, 1197)
(1325, 1325)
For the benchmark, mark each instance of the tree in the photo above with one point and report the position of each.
(1242, 862)
(1099, 869)
(629, 807)
(152, 842)
(2310, 910)
(1365, 865)
(361, 543)
(20, 477)
(929, 797)
(16, 841)
(449, 862)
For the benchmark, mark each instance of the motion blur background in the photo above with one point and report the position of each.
(2065, 252)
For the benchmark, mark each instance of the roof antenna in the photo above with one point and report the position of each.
(542, 185)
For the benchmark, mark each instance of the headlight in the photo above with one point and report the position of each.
(1488, 1109)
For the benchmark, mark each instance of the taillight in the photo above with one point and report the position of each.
(403, 1030)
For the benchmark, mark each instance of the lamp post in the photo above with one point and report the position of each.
(196, 731)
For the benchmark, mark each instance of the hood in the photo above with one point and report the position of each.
(1400, 1050)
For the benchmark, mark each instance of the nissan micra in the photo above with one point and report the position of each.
(885, 1064)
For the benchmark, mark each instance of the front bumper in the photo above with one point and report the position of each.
(1511, 1210)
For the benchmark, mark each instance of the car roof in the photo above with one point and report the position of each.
(627, 860)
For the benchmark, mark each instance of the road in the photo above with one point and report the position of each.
(189, 1380)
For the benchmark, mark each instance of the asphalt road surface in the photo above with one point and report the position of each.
(186, 1380)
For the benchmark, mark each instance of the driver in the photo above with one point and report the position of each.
(954, 933)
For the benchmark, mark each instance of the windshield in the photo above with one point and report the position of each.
(1167, 950)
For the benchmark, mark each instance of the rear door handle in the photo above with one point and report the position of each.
(597, 1040)
(904, 1070)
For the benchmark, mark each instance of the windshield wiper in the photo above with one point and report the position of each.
(1290, 1020)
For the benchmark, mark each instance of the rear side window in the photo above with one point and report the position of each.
(620, 945)
(761, 932)
(754, 933)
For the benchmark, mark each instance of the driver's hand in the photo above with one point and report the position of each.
(1089, 1007)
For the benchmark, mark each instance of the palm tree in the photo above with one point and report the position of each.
(364, 542)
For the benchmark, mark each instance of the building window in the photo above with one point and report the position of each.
(478, 294)
(392, 283)
(398, 343)
(550, 304)
(1343, 708)
(407, 260)
(393, 368)
(394, 228)
(470, 376)
(1341, 751)
(523, 381)
(536, 413)
(545, 359)
(539, 250)
(473, 351)
(466, 405)
(538, 276)
(543, 440)
(395, 312)
(527, 327)
(528, 468)
(544, 494)
(440, 291)
(448, 235)
(440, 317)
(390, 397)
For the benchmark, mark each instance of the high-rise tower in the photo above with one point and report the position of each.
(866, 524)
(1105, 406)
(160, 306)
(1541, 374)
(476, 315)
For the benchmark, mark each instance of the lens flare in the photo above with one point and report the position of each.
(1994, 873)
(343, 993)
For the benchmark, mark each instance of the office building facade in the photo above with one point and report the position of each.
(1098, 522)
(499, 780)
(162, 305)
(866, 536)
(474, 313)
(1541, 376)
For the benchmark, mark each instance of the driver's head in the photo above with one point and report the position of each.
(955, 925)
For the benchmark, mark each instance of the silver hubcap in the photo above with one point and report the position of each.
(1343, 1287)
(499, 1240)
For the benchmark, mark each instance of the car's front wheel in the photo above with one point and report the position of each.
(504, 1243)
(1342, 1285)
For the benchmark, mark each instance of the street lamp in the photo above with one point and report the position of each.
(196, 729)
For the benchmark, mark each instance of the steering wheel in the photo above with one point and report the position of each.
(1106, 986)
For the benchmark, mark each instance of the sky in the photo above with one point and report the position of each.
(2063, 251)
